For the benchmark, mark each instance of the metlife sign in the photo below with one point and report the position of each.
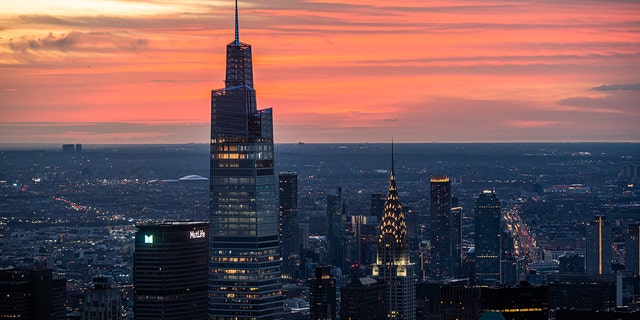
(197, 234)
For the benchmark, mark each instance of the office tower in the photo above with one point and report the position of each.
(170, 266)
(336, 219)
(377, 205)
(68, 148)
(441, 238)
(487, 240)
(363, 298)
(598, 251)
(632, 249)
(456, 239)
(32, 294)
(102, 301)
(288, 197)
(322, 295)
(393, 265)
(244, 243)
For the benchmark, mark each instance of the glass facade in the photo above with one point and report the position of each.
(170, 270)
(487, 239)
(441, 237)
(244, 271)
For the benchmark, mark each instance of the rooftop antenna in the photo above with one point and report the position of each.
(237, 42)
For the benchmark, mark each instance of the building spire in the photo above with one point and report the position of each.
(392, 158)
(237, 41)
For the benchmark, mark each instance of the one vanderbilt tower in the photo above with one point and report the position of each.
(244, 278)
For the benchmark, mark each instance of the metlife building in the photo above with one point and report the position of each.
(170, 270)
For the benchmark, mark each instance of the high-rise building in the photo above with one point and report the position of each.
(632, 249)
(487, 238)
(323, 303)
(441, 237)
(363, 298)
(377, 205)
(244, 244)
(102, 301)
(170, 266)
(32, 294)
(336, 222)
(456, 239)
(598, 251)
(288, 197)
(393, 265)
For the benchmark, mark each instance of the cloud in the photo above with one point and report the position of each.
(616, 87)
(79, 42)
(107, 132)
(622, 102)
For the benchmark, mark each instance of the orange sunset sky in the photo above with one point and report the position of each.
(141, 71)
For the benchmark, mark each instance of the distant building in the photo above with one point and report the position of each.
(441, 235)
(580, 291)
(32, 294)
(363, 299)
(170, 267)
(487, 238)
(598, 251)
(393, 265)
(68, 148)
(456, 238)
(377, 205)
(632, 249)
(289, 234)
(571, 263)
(336, 219)
(102, 302)
(523, 302)
(323, 303)
(78, 148)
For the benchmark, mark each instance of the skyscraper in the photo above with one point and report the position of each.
(336, 219)
(632, 249)
(487, 240)
(288, 197)
(393, 265)
(32, 294)
(102, 301)
(244, 273)
(441, 237)
(323, 303)
(599, 241)
(363, 298)
(170, 270)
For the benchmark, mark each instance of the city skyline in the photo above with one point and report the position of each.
(140, 71)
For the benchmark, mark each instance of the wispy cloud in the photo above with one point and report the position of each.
(112, 42)
(616, 87)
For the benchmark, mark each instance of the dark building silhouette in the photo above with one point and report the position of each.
(580, 291)
(377, 205)
(32, 294)
(363, 298)
(393, 264)
(487, 238)
(456, 238)
(322, 295)
(632, 249)
(68, 148)
(245, 274)
(288, 197)
(170, 267)
(571, 263)
(102, 301)
(336, 219)
(441, 236)
(598, 250)
(523, 302)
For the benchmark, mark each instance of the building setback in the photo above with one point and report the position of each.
(245, 255)
(170, 270)
(393, 265)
